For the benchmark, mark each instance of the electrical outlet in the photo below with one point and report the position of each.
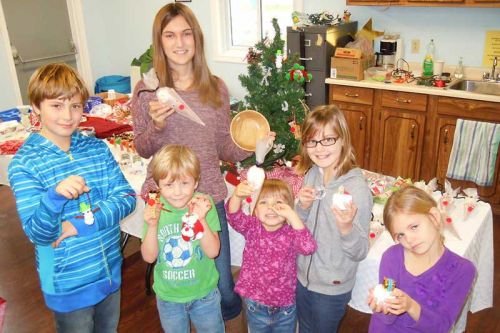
(415, 46)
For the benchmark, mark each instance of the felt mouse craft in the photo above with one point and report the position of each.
(191, 229)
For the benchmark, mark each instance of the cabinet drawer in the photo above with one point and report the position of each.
(469, 109)
(351, 94)
(403, 100)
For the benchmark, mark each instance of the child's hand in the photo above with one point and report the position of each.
(306, 196)
(402, 303)
(72, 187)
(152, 214)
(372, 303)
(284, 210)
(243, 190)
(68, 230)
(345, 217)
(201, 205)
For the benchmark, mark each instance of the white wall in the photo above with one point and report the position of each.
(119, 30)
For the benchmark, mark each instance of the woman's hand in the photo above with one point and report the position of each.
(159, 112)
(344, 217)
(306, 196)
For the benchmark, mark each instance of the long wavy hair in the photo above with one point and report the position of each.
(316, 121)
(203, 80)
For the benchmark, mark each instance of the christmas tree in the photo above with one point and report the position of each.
(275, 88)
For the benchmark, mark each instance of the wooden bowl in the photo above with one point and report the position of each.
(247, 127)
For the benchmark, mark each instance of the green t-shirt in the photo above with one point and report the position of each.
(183, 272)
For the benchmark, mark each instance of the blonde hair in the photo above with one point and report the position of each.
(277, 187)
(56, 80)
(409, 200)
(203, 80)
(175, 161)
(316, 121)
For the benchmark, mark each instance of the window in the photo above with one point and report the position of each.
(239, 24)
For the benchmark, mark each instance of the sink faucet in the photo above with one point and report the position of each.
(492, 76)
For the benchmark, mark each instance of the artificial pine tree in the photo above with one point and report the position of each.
(275, 89)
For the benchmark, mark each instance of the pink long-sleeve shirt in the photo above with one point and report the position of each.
(269, 270)
(211, 143)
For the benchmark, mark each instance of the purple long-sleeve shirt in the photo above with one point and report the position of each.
(211, 143)
(269, 270)
(441, 292)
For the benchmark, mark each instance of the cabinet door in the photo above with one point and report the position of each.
(358, 119)
(401, 141)
(445, 133)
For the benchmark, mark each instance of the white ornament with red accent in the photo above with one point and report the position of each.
(192, 229)
(341, 198)
(471, 199)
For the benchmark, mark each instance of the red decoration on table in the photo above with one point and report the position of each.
(10, 147)
(248, 199)
(105, 128)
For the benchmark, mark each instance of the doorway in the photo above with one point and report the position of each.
(42, 32)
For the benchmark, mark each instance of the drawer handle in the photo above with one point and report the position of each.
(412, 133)
(402, 100)
(445, 136)
(306, 59)
(308, 94)
(361, 123)
(351, 95)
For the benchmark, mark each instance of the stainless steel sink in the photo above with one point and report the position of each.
(478, 87)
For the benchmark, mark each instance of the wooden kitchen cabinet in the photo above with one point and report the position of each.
(401, 130)
(356, 104)
(447, 111)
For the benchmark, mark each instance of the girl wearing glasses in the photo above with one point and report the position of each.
(432, 283)
(326, 278)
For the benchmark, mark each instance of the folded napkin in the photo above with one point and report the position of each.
(474, 152)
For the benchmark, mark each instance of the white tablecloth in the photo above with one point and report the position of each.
(476, 245)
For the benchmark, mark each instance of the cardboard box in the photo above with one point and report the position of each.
(119, 97)
(346, 68)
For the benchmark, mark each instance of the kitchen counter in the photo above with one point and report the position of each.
(414, 88)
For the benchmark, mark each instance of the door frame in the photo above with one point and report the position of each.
(77, 26)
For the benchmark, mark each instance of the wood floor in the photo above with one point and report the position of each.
(26, 312)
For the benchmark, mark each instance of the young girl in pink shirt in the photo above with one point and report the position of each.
(275, 236)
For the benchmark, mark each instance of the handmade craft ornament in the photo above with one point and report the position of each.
(429, 188)
(341, 198)
(347, 16)
(88, 215)
(279, 59)
(299, 74)
(446, 206)
(169, 96)
(470, 202)
(192, 229)
(256, 174)
(377, 222)
(383, 291)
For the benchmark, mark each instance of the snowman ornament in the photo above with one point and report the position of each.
(191, 229)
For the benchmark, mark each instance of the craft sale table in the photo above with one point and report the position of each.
(476, 244)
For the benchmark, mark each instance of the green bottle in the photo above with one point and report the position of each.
(428, 65)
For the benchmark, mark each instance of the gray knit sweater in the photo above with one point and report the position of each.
(331, 270)
(211, 143)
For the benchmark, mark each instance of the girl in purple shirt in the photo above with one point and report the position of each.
(274, 237)
(432, 283)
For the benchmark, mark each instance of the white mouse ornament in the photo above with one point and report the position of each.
(341, 198)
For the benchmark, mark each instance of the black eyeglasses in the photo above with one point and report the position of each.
(324, 142)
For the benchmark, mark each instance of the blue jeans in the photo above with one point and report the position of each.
(205, 314)
(100, 318)
(230, 301)
(319, 313)
(269, 319)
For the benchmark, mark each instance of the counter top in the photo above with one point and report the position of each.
(414, 88)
